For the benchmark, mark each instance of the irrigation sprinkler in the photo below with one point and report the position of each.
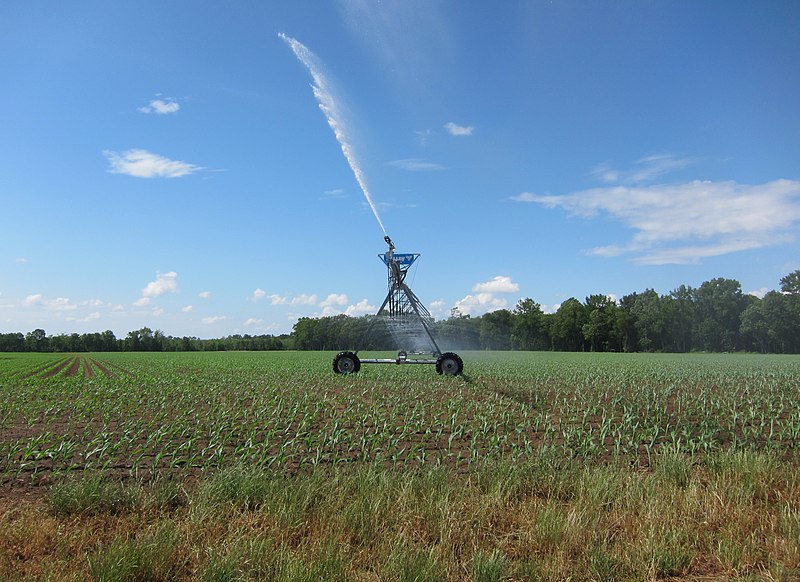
(408, 321)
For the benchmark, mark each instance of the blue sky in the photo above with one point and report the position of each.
(168, 164)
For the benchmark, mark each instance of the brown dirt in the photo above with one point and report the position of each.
(76, 365)
(88, 370)
(56, 369)
(102, 367)
(41, 369)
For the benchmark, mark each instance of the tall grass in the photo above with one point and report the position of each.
(731, 514)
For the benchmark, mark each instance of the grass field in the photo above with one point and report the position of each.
(531, 466)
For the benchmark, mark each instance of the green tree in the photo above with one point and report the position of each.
(679, 318)
(646, 318)
(790, 284)
(529, 328)
(567, 326)
(36, 341)
(719, 306)
(754, 328)
(599, 328)
(12, 342)
(458, 332)
(782, 319)
(495, 330)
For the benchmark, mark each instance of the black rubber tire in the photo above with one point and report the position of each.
(346, 363)
(450, 364)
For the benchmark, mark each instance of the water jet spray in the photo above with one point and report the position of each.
(328, 106)
(406, 318)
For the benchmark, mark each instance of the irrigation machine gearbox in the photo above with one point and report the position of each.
(408, 321)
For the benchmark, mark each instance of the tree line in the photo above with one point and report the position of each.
(714, 317)
(140, 340)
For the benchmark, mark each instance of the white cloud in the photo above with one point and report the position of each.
(166, 283)
(302, 299)
(485, 298)
(760, 292)
(416, 165)
(499, 284)
(91, 317)
(213, 319)
(480, 303)
(158, 311)
(59, 304)
(334, 299)
(438, 309)
(683, 223)
(142, 302)
(335, 194)
(253, 321)
(360, 308)
(21, 260)
(161, 106)
(330, 303)
(644, 170)
(258, 294)
(204, 294)
(187, 309)
(423, 136)
(458, 130)
(144, 164)
(32, 299)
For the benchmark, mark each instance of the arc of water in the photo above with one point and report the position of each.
(327, 104)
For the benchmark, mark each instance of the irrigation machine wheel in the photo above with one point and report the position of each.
(346, 363)
(450, 364)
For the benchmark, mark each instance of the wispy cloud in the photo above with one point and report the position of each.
(416, 165)
(644, 170)
(422, 136)
(144, 164)
(60, 304)
(94, 316)
(164, 106)
(57, 304)
(214, 319)
(458, 130)
(334, 194)
(32, 299)
(684, 223)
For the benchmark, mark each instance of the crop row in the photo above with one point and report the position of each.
(175, 412)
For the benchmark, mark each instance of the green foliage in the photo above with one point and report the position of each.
(145, 559)
(92, 494)
(716, 317)
(488, 567)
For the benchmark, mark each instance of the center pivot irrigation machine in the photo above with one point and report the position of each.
(408, 322)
